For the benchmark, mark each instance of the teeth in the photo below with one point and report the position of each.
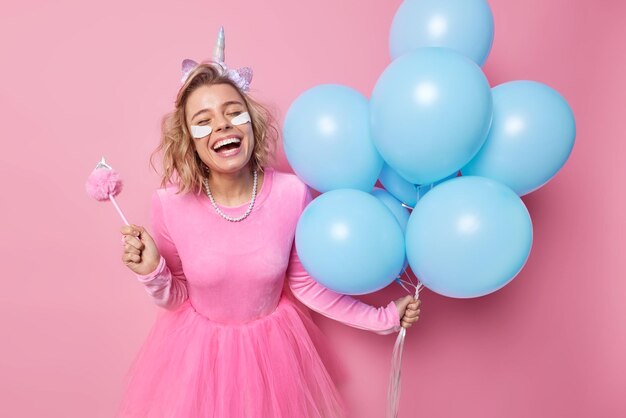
(226, 142)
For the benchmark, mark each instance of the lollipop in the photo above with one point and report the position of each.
(104, 183)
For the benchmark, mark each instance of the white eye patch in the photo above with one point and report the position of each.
(241, 118)
(200, 131)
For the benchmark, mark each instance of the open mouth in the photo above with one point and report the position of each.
(226, 145)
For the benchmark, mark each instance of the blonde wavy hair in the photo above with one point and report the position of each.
(180, 162)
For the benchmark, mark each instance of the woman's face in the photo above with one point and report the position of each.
(216, 105)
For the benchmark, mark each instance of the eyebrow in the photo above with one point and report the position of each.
(223, 105)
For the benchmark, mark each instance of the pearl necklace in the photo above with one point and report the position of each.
(219, 211)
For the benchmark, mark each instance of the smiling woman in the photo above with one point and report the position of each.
(231, 341)
(228, 145)
(210, 98)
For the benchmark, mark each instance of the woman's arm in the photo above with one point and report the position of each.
(167, 284)
(343, 308)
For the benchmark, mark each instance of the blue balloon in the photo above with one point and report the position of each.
(468, 237)
(430, 113)
(396, 185)
(327, 139)
(463, 25)
(394, 205)
(350, 242)
(422, 189)
(531, 137)
(400, 212)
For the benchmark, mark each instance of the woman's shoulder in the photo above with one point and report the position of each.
(169, 194)
(288, 182)
(288, 193)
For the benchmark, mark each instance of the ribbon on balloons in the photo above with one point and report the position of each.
(393, 390)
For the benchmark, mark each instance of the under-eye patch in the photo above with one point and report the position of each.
(200, 131)
(241, 118)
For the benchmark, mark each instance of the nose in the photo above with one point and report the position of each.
(221, 123)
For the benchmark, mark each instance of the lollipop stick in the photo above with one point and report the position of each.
(118, 209)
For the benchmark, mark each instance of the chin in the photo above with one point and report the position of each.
(230, 167)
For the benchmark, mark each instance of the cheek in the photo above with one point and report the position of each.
(250, 135)
(201, 149)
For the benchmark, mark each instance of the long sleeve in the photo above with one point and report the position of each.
(167, 284)
(342, 308)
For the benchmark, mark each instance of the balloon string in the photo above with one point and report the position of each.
(408, 277)
(417, 286)
(393, 390)
(407, 282)
(401, 283)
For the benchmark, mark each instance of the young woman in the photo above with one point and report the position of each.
(230, 341)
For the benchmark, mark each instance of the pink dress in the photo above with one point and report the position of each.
(230, 342)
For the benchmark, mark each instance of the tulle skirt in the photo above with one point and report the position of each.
(272, 367)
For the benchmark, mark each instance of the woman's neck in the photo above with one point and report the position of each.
(233, 189)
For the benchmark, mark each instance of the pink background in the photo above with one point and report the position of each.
(85, 79)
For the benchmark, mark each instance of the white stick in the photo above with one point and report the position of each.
(118, 209)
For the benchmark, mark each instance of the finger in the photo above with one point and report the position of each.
(413, 309)
(411, 315)
(131, 258)
(126, 229)
(146, 238)
(406, 324)
(135, 258)
(131, 250)
(130, 230)
(135, 242)
(410, 320)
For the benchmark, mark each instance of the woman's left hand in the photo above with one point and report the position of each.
(409, 310)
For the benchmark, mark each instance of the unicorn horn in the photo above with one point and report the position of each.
(218, 51)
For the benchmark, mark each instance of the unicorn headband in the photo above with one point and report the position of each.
(241, 76)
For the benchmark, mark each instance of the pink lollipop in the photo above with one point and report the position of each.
(104, 183)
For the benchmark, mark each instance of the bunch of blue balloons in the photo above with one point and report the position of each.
(441, 141)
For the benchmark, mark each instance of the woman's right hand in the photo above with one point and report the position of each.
(140, 252)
